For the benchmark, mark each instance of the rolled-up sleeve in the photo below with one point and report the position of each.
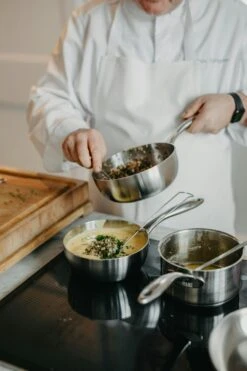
(54, 109)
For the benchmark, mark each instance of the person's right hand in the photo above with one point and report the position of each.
(86, 147)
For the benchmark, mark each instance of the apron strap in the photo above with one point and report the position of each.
(114, 5)
(189, 42)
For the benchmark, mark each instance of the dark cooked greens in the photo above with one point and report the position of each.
(106, 247)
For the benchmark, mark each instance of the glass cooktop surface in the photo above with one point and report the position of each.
(60, 321)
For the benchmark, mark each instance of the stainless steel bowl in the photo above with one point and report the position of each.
(117, 269)
(228, 342)
(141, 185)
(107, 270)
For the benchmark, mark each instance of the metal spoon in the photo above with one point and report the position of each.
(221, 256)
(104, 174)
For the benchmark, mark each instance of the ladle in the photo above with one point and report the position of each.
(221, 256)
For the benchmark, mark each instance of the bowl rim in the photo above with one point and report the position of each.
(108, 259)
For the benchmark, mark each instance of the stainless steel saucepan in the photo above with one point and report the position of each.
(144, 184)
(117, 269)
(228, 342)
(181, 253)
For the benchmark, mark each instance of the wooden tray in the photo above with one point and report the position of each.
(34, 207)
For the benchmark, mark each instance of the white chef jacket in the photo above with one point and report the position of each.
(63, 100)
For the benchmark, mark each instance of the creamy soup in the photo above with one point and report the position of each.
(81, 244)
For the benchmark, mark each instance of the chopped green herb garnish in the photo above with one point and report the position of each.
(106, 247)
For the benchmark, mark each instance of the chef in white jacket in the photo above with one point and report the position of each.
(126, 73)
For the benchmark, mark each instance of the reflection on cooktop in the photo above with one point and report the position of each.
(113, 301)
(60, 321)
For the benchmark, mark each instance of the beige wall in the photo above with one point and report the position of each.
(28, 32)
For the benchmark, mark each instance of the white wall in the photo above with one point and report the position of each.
(28, 31)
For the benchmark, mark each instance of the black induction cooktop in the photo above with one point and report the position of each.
(60, 321)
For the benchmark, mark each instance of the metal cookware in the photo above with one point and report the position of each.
(117, 269)
(144, 184)
(228, 342)
(180, 252)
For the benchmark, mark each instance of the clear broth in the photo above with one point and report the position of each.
(194, 265)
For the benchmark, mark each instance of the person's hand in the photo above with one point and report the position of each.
(211, 113)
(86, 147)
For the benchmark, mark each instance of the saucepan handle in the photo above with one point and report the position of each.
(185, 125)
(159, 285)
(180, 208)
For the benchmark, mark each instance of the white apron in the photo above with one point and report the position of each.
(138, 103)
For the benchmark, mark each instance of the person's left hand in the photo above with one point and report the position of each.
(212, 112)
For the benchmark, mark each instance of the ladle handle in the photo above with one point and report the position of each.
(185, 125)
(184, 206)
(161, 284)
(156, 217)
(179, 348)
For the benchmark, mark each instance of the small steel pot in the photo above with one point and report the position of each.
(204, 287)
(228, 342)
(144, 184)
(117, 269)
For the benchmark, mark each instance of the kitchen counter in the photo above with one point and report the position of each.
(27, 267)
(57, 321)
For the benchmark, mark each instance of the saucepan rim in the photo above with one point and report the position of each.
(161, 243)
